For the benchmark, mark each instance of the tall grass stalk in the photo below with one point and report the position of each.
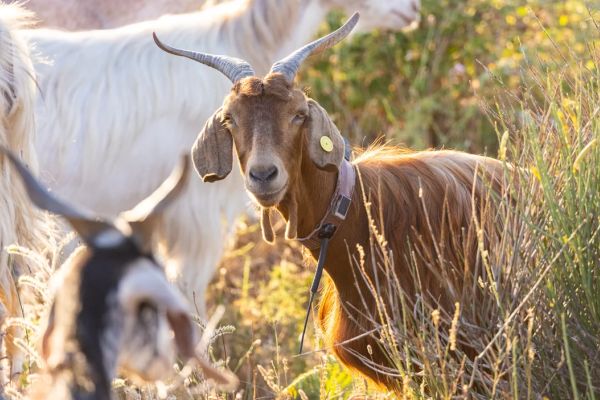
(533, 317)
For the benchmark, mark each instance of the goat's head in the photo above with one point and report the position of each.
(381, 14)
(271, 123)
(112, 305)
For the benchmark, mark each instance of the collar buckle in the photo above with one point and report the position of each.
(342, 206)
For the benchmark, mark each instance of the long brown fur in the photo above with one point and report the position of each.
(425, 205)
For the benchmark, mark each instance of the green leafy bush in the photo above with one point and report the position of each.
(425, 88)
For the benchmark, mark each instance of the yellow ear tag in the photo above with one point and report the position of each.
(326, 144)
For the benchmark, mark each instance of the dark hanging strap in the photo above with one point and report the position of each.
(325, 233)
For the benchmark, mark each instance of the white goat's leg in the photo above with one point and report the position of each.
(18, 358)
(15, 353)
(11, 355)
(4, 365)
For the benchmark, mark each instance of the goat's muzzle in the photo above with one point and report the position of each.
(266, 180)
(263, 174)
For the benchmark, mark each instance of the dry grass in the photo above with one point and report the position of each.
(532, 326)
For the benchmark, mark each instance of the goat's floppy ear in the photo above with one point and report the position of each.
(212, 153)
(87, 225)
(325, 143)
(142, 217)
(146, 283)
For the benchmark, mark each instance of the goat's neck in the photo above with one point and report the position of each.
(312, 192)
(308, 198)
(261, 32)
(78, 382)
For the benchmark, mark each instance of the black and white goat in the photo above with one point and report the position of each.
(113, 307)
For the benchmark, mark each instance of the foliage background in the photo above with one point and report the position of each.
(473, 71)
(457, 81)
(425, 88)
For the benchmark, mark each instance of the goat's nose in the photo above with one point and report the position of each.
(263, 173)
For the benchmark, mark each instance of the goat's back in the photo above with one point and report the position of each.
(429, 207)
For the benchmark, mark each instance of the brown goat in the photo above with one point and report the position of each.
(292, 156)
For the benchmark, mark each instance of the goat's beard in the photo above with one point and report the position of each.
(291, 228)
(266, 227)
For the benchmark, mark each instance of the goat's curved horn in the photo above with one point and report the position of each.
(158, 201)
(289, 66)
(85, 223)
(141, 217)
(233, 68)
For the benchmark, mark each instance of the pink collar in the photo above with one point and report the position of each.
(338, 209)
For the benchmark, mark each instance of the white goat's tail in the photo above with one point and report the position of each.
(20, 223)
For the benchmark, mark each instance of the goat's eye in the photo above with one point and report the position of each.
(299, 118)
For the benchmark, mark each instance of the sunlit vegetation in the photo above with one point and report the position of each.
(515, 80)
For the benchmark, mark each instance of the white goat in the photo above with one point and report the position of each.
(97, 14)
(116, 111)
(19, 223)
